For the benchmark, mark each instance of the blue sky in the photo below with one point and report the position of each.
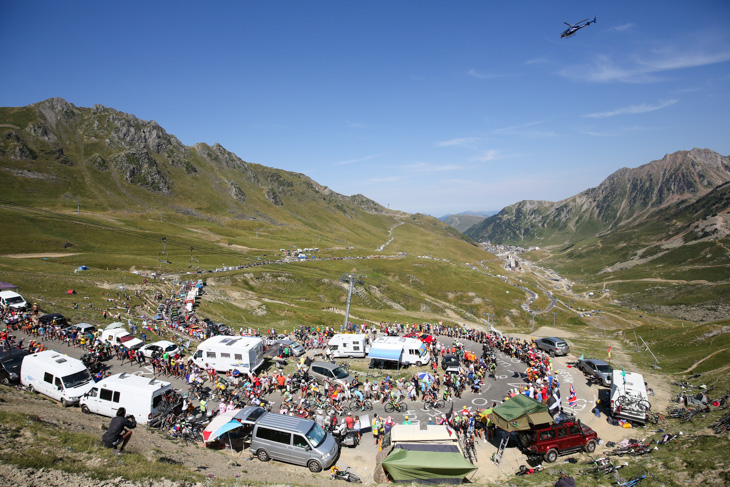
(423, 106)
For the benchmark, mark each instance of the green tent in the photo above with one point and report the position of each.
(427, 465)
(520, 413)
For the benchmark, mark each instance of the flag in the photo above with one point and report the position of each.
(450, 414)
(581, 356)
(553, 403)
(572, 399)
(609, 353)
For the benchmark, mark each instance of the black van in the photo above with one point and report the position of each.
(10, 361)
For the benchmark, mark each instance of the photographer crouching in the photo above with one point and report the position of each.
(120, 430)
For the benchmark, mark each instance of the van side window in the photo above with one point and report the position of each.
(115, 398)
(156, 401)
(356, 346)
(106, 395)
(300, 442)
(238, 356)
(58, 382)
(210, 354)
(225, 355)
(274, 435)
(94, 392)
(48, 377)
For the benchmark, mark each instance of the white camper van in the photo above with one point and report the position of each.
(140, 396)
(244, 353)
(55, 375)
(118, 335)
(628, 396)
(349, 345)
(405, 351)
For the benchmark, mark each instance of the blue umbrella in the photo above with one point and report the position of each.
(425, 376)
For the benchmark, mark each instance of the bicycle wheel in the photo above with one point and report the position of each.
(426, 405)
(588, 471)
(402, 407)
(439, 404)
(355, 405)
(351, 477)
(389, 407)
(368, 405)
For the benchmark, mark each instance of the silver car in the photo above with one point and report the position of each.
(598, 369)
(553, 346)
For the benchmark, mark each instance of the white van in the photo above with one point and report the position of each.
(628, 396)
(223, 353)
(349, 345)
(12, 300)
(406, 351)
(118, 335)
(140, 396)
(55, 375)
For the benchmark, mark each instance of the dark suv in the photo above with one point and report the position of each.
(558, 439)
(450, 363)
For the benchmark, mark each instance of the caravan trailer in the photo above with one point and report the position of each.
(349, 345)
(223, 353)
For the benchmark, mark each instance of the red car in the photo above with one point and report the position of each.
(424, 337)
(559, 439)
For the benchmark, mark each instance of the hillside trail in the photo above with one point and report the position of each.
(694, 365)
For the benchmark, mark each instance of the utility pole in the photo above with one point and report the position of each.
(553, 319)
(352, 280)
(78, 208)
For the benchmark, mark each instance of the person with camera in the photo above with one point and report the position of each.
(120, 430)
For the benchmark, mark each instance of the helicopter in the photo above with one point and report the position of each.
(572, 29)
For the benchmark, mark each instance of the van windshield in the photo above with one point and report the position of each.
(339, 373)
(77, 379)
(14, 300)
(316, 435)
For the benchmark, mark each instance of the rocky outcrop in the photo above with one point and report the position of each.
(139, 168)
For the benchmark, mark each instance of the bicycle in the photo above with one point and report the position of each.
(658, 419)
(635, 480)
(602, 466)
(392, 405)
(633, 402)
(346, 475)
(432, 403)
(361, 405)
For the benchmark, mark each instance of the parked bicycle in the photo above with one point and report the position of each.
(602, 466)
(635, 480)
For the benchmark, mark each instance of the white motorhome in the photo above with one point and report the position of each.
(628, 396)
(118, 335)
(55, 375)
(349, 345)
(223, 353)
(140, 396)
(12, 300)
(405, 351)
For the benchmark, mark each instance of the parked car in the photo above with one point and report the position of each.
(424, 337)
(598, 369)
(58, 318)
(83, 328)
(10, 361)
(553, 346)
(295, 347)
(326, 370)
(558, 439)
(12, 300)
(158, 348)
(450, 363)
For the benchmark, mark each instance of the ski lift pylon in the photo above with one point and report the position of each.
(164, 254)
(193, 260)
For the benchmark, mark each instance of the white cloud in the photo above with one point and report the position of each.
(645, 68)
(538, 60)
(459, 141)
(475, 74)
(355, 161)
(428, 167)
(389, 179)
(487, 156)
(632, 109)
(622, 27)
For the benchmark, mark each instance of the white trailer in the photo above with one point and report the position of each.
(349, 345)
(223, 353)
(140, 396)
(406, 351)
